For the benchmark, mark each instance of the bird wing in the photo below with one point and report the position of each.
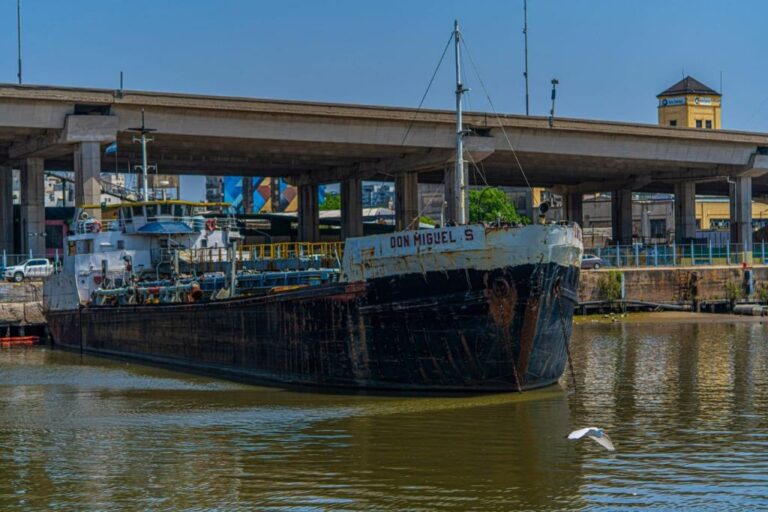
(578, 434)
(604, 441)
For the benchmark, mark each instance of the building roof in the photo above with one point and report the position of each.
(688, 85)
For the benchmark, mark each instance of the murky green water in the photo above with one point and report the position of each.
(685, 404)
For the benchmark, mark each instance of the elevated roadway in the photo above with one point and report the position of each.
(64, 128)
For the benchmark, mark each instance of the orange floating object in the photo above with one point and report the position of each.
(19, 341)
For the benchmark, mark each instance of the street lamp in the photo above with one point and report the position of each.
(554, 82)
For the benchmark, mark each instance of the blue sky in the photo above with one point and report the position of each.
(611, 56)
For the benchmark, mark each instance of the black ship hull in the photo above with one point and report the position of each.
(460, 330)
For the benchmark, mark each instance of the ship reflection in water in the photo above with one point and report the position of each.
(683, 402)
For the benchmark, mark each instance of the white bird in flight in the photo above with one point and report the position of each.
(596, 434)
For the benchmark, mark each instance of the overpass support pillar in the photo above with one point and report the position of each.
(621, 216)
(741, 214)
(6, 209)
(87, 174)
(407, 201)
(33, 206)
(309, 214)
(685, 212)
(574, 207)
(351, 208)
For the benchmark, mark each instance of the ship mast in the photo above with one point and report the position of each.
(460, 192)
(143, 131)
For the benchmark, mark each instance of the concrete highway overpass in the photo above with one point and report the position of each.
(312, 143)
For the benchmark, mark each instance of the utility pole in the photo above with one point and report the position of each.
(525, 35)
(18, 36)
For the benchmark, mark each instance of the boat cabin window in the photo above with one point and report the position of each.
(166, 209)
(126, 214)
(204, 243)
(85, 247)
(120, 245)
(151, 210)
(178, 210)
(138, 211)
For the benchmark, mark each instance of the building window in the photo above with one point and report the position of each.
(719, 223)
(698, 123)
(658, 228)
(673, 122)
(708, 124)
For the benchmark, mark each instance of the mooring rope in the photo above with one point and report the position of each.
(565, 335)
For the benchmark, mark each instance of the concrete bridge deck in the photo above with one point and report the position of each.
(317, 141)
(310, 143)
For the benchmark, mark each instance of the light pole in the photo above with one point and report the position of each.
(554, 82)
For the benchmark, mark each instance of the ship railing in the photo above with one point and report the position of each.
(92, 225)
(327, 254)
(205, 255)
(287, 250)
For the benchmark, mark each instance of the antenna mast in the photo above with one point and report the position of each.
(143, 131)
(459, 179)
(18, 37)
(525, 35)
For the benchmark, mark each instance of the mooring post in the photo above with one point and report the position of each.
(655, 255)
(637, 255)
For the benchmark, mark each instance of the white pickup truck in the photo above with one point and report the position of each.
(36, 268)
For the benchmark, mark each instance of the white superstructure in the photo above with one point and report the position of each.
(140, 238)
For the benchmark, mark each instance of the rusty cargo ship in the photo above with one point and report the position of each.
(469, 307)
(466, 308)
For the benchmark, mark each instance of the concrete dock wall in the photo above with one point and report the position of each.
(677, 285)
(21, 304)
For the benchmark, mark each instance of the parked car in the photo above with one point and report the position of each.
(592, 261)
(36, 268)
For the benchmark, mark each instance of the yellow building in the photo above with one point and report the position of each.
(714, 213)
(690, 104)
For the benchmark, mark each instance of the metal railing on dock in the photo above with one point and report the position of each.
(9, 260)
(673, 255)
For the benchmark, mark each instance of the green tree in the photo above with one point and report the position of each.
(426, 220)
(490, 204)
(331, 202)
